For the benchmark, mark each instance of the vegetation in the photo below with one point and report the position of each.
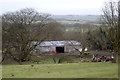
(18, 33)
(21, 28)
(72, 70)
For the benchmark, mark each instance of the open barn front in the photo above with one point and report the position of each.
(57, 47)
(60, 49)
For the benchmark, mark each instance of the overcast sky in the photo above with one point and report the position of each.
(55, 7)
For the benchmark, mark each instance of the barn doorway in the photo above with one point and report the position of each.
(60, 49)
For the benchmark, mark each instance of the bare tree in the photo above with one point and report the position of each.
(20, 28)
(118, 29)
(0, 32)
(110, 14)
(54, 31)
(110, 19)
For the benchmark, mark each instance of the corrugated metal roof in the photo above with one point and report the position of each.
(58, 43)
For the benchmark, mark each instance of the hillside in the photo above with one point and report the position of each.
(82, 19)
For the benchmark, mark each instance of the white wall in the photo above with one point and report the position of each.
(53, 48)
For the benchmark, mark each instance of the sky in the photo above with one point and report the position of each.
(55, 7)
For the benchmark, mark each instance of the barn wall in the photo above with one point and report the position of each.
(72, 48)
(53, 48)
(46, 48)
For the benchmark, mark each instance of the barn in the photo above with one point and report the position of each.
(58, 46)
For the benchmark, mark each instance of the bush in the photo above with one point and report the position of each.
(58, 59)
(86, 53)
(68, 59)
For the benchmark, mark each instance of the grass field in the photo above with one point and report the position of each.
(71, 70)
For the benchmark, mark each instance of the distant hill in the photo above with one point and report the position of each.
(82, 19)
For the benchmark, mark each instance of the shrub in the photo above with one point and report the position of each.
(86, 53)
(68, 59)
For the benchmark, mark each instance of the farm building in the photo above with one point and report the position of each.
(58, 46)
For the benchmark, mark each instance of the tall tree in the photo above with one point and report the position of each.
(118, 28)
(111, 20)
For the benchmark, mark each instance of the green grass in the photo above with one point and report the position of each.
(72, 70)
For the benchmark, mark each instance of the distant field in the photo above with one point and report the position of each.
(77, 18)
(72, 70)
(65, 21)
(77, 29)
(82, 29)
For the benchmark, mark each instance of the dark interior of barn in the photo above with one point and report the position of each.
(60, 49)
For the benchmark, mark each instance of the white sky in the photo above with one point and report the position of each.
(57, 7)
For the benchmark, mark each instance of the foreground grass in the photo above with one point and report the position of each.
(72, 70)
